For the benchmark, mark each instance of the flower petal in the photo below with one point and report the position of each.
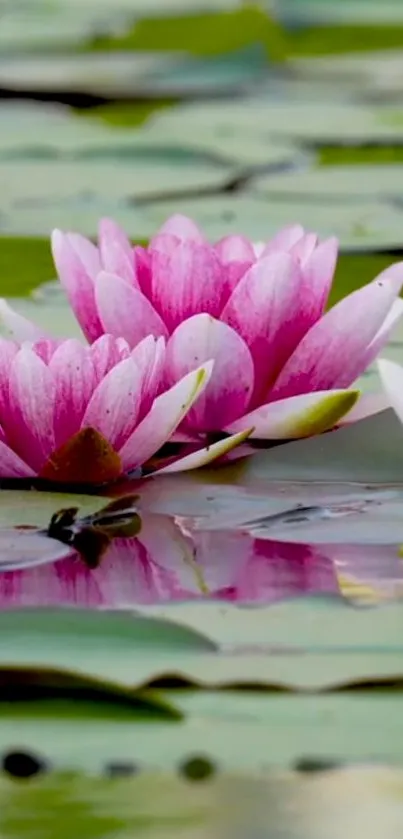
(304, 247)
(318, 270)
(74, 379)
(28, 418)
(142, 267)
(149, 356)
(392, 380)
(229, 390)
(384, 334)
(284, 239)
(8, 351)
(45, 348)
(366, 406)
(333, 353)
(298, 416)
(235, 249)
(237, 255)
(86, 252)
(18, 327)
(206, 455)
(271, 313)
(11, 466)
(182, 227)
(114, 405)
(76, 280)
(187, 281)
(167, 412)
(116, 251)
(124, 311)
(106, 352)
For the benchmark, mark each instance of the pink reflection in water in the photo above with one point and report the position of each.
(164, 563)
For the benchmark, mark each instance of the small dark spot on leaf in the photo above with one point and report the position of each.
(197, 769)
(316, 764)
(22, 764)
(121, 769)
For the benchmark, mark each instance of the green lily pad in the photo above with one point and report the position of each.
(19, 507)
(372, 453)
(343, 12)
(375, 76)
(301, 119)
(362, 226)
(344, 184)
(233, 731)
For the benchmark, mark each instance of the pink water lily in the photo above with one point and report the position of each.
(282, 364)
(88, 414)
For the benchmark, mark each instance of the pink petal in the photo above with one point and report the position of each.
(206, 455)
(18, 327)
(149, 356)
(8, 351)
(116, 251)
(392, 380)
(187, 281)
(270, 311)
(228, 393)
(284, 239)
(167, 412)
(182, 227)
(298, 416)
(114, 405)
(124, 311)
(28, 418)
(304, 248)
(333, 352)
(86, 252)
(142, 267)
(46, 347)
(318, 270)
(74, 378)
(106, 352)
(235, 249)
(237, 254)
(11, 466)
(76, 281)
(383, 335)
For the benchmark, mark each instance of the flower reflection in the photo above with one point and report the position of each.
(165, 563)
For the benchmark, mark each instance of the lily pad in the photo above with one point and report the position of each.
(320, 459)
(344, 184)
(299, 119)
(375, 76)
(362, 226)
(235, 732)
(19, 507)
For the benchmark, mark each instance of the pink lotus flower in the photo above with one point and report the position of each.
(281, 365)
(83, 414)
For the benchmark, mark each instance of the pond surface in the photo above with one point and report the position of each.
(249, 631)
